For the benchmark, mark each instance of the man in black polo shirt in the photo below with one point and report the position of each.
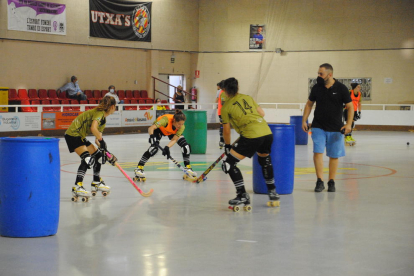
(327, 125)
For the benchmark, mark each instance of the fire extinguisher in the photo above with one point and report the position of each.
(194, 94)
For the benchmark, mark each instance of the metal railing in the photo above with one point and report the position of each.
(206, 106)
(154, 79)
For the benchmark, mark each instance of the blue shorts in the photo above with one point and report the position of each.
(333, 141)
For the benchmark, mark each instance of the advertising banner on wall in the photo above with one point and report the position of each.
(114, 120)
(138, 118)
(58, 120)
(19, 121)
(62, 120)
(122, 20)
(36, 16)
(257, 37)
(162, 112)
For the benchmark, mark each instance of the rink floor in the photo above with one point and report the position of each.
(365, 228)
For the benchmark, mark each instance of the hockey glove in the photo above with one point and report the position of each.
(112, 159)
(153, 140)
(102, 145)
(227, 149)
(166, 152)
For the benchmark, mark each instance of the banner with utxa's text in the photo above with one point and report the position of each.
(36, 16)
(121, 20)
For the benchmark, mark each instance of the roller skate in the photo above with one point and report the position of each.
(139, 174)
(353, 140)
(191, 174)
(240, 199)
(78, 191)
(273, 199)
(97, 186)
(349, 140)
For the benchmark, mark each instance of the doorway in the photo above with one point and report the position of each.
(169, 90)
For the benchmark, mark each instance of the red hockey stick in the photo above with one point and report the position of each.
(130, 180)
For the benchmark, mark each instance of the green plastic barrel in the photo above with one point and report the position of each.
(196, 130)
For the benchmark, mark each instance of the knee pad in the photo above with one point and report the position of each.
(99, 157)
(87, 159)
(265, 161)
(267, 168)
(185, 147)
(152, 150)
(229, 163)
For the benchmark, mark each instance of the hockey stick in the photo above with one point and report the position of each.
(130, 180)
(179, 166)
(203, 177)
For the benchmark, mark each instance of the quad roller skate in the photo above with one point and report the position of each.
(273, 199)
(139, 174)
(240, 199)
(97, 186)
(78, 191)
(349, 141)
(191, 174)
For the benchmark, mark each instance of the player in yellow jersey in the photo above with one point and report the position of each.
(171, 125)
(91, 121)
(246, 117)
(220, 99)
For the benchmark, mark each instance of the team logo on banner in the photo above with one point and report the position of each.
(119, 19)
(148, 115)
(141, 19)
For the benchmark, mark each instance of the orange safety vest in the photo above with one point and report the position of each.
(167, 130)
(220, 104)
(355, 99)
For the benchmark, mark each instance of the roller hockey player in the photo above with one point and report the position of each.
(255, 137)
(166, 125)
(91, 121)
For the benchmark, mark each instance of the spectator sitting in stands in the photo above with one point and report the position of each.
(113, 94)
(159, 107)
(72, 89)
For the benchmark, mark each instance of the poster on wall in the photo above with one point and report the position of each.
(36, 16)
(257, 37)
(116, 19)
(19, 121)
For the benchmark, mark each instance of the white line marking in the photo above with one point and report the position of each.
(245, 241)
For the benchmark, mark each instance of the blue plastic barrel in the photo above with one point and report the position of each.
(301, 137)
(29, 186)
(283, 160)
